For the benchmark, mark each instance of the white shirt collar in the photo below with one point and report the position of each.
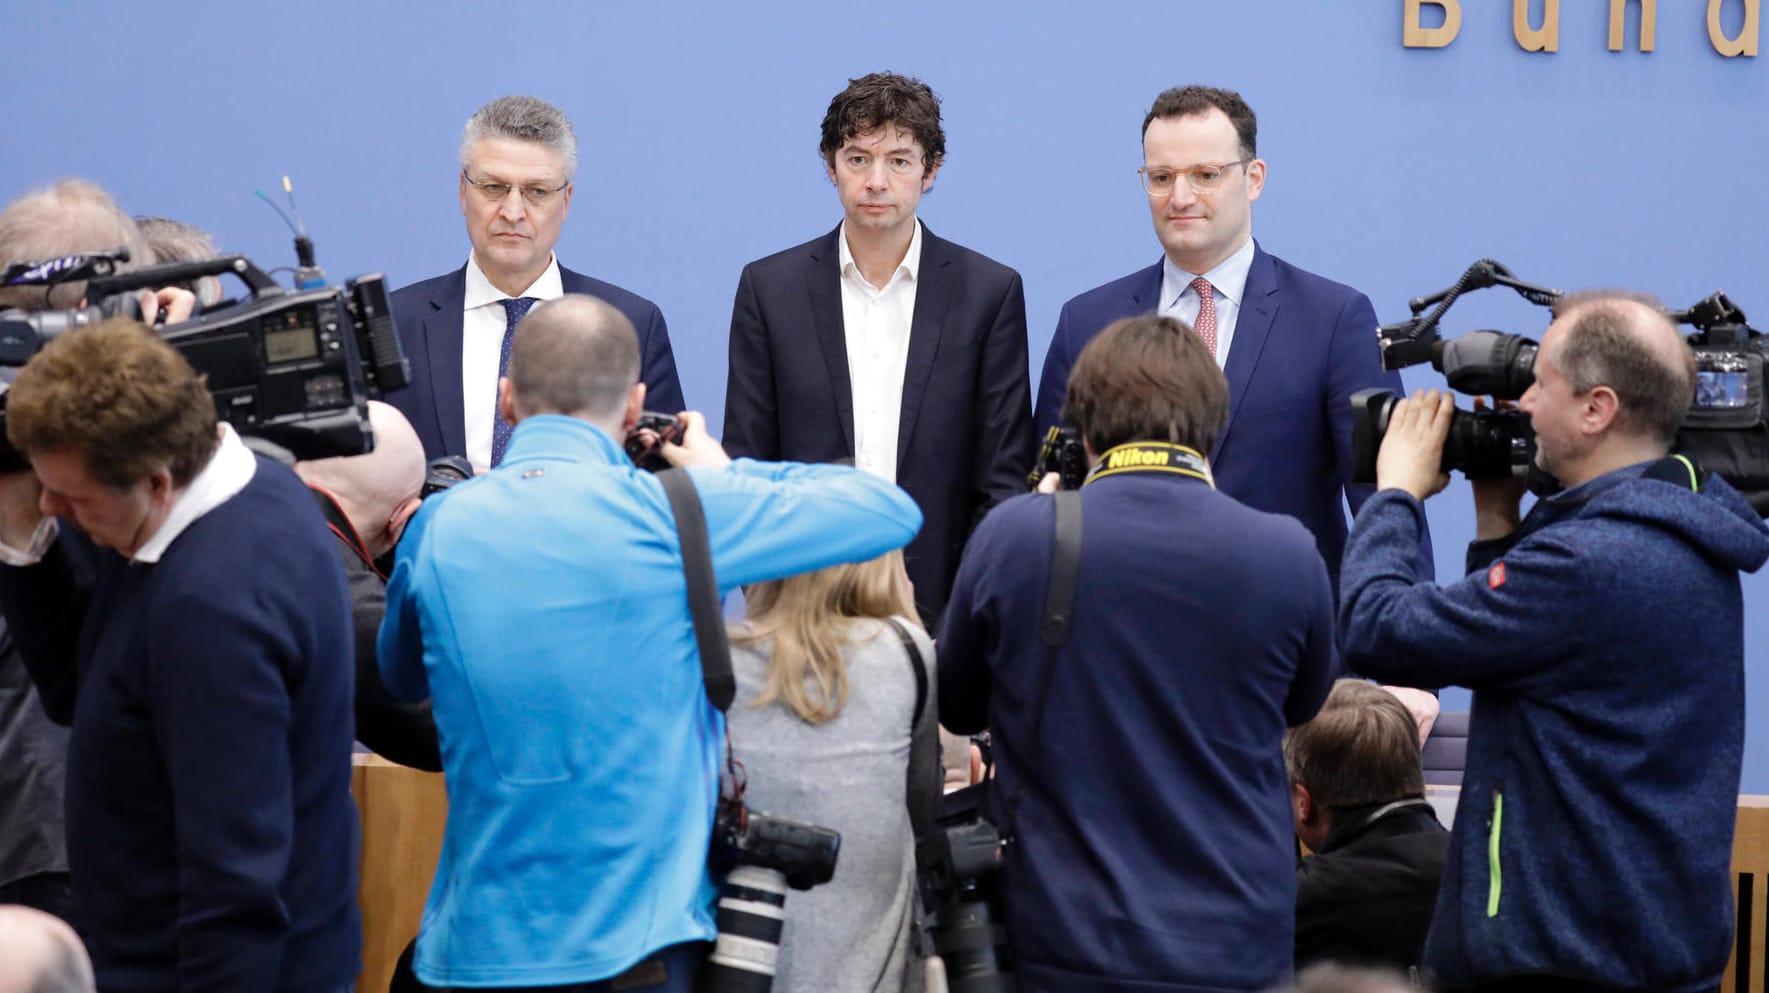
(547, 286)
(911, 260)
(1229, 278)
(228, 472)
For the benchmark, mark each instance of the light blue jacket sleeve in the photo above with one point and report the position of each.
(767, 520)
(399, 648)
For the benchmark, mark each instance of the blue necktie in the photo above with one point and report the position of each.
(514, 311)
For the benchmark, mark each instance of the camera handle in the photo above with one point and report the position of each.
(1059, 612)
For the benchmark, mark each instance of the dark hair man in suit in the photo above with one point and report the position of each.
(1365, 895)
(518, 155)
(884, 343)
(1152, 838)
(1294, 346)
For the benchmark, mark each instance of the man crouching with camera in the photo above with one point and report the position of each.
(1141, 778)
(196, 637)
(1603, 636)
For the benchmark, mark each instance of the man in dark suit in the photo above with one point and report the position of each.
(517, 158)
(885, 343)
(1293, 345)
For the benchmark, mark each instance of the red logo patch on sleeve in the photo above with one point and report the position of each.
(1495, 577)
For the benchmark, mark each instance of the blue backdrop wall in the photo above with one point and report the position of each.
(1389, 168)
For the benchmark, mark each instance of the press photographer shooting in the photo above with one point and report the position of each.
(1590, 697)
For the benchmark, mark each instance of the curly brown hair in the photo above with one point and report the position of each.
(885, 98)
(125, 400)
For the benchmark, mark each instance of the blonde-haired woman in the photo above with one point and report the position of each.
(826, 725)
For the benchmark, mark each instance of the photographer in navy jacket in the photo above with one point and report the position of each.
(1143, 784)
(201, 654)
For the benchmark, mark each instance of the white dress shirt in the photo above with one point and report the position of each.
(227, 472)
(482, 342)
(1229, 279)
(876, 323)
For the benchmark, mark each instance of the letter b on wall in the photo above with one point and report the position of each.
(1415, 36)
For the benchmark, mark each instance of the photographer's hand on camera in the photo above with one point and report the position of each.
(1497, 502)
(697, 448)
(1411, 456)
(169, 305)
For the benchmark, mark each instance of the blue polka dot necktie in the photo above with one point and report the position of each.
(514, 310)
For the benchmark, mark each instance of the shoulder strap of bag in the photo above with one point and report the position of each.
(916, 665)
(1059, 610)
(703, 587)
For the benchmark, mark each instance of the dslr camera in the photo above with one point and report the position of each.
(1063, 454)
(293, 367)
(1726, 430)
(762, 857)
(958, 863)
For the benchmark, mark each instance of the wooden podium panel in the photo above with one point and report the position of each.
(403, 811)
(1750, 890)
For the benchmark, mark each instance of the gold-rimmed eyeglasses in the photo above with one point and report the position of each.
(537, 196)
(1158, 181)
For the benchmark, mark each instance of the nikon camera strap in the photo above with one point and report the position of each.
(703, 587)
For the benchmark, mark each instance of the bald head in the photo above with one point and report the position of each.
(40, 954)
(72, 216)
(576, 356)
(372, 489)
(1627, 342)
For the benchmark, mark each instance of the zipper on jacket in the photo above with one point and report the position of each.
(1492, 855)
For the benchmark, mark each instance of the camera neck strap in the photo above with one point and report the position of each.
(703, 588)
(1059, 613)
(1152, 456)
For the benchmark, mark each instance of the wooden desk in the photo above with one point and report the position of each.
(403, 811)
(1750, 889)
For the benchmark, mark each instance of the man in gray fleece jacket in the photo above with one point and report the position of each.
(1603, 636)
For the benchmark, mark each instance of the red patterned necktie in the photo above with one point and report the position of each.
(1206, 323)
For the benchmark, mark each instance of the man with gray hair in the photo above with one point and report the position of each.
(176, 241)
(542, 607)
(518, 156)
(41, 954)
(1603, 636)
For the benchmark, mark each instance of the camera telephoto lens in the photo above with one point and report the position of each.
(752, 913)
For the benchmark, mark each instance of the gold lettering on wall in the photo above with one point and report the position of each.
(1746, 41)
(1415, 36)
(1543, 39)
(1618, 22)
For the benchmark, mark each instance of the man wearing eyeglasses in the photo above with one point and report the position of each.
(1294, 346)
(518, 155)
(885, 343)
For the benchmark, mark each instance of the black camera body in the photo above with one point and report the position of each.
(650, 457)
(443, 472)
(294, 367)
(1064, 454)
(761, 857)
(958, 863)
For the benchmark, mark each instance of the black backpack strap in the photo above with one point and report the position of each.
(703, 587)
(917, 665)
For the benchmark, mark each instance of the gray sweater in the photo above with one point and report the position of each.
(859, 774)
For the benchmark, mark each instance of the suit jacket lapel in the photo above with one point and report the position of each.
(823, 289)
(932, 291)
(442, 342)
(1259, 308)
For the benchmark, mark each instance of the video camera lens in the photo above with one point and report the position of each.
(1482, 444)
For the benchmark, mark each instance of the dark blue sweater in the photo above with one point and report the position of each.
(211, 831)
(1154, 848)
(1604, 643)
